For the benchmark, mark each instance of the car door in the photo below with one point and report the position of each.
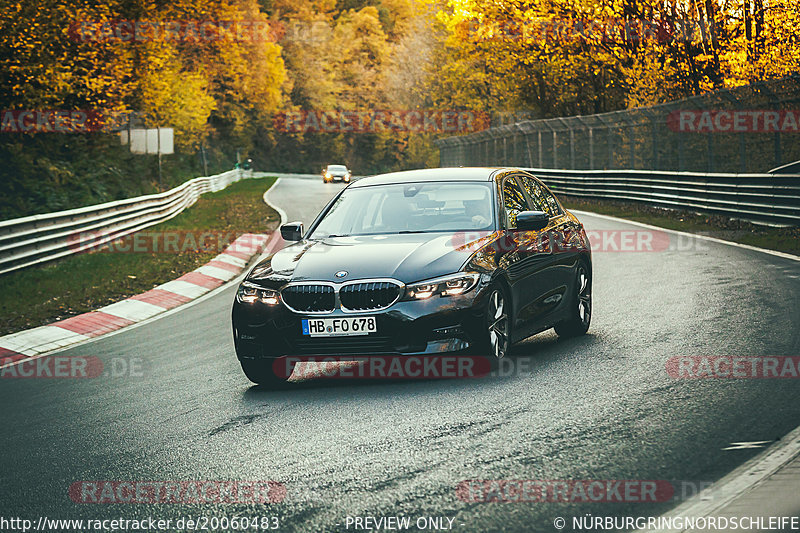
(565, 235)
(525, 260)
(553, 262)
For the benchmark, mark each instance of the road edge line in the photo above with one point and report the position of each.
(776, 253)
(749, 475)
(281, 212)
(743, 479)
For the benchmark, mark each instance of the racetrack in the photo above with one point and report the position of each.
(601, 407)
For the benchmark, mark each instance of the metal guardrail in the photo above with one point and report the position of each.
(37, 239)
(762, 198)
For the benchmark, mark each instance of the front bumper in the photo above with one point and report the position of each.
(449, 324)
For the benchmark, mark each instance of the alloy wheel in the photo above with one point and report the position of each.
(497, 318)
(584, 296)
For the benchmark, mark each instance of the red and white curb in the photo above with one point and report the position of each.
(224, 267)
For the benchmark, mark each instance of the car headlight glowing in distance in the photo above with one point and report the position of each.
(445, 286)
(250, 293)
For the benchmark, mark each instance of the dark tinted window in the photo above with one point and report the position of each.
(543, 200)
(513, 201)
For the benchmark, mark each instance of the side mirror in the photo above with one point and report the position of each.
(532, 220)
(293, 231)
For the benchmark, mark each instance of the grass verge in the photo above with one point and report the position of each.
(80, 283)
(780, 239)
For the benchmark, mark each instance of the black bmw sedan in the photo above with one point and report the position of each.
(424, 262)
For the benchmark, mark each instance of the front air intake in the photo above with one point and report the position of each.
(309, 298)
(369, 296)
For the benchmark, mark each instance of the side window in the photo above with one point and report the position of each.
(552, 202)
(541, 198)
(513, 201)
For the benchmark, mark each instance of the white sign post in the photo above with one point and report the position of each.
(149, 141)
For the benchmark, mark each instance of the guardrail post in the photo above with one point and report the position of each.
(572, 148)
(654, 133)
(555, 148)
(591, 148)
(528, 149)
(541, 165)
(472, 153)
(515, 148)
(710, 151)
(632, 136)
(742, 151)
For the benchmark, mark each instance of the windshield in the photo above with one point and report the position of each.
(409, 208)
(337, 167)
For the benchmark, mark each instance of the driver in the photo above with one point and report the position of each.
(478, 211)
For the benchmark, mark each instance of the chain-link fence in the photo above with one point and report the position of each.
(744, 129)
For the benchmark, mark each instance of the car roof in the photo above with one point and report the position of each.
(432, 174)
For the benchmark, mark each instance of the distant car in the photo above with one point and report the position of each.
(418, 263)
(335, 173)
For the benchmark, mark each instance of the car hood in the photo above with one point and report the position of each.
(407, 258)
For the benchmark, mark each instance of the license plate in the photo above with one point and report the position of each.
(337, 327)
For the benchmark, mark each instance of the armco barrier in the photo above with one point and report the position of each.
(763, 198)
(39, 238)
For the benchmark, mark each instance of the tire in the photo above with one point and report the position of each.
(580, 307)
(497, 326)
(261, 373)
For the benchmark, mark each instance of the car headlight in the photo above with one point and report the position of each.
(445, 286)
(249, 293)
(327, 174)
